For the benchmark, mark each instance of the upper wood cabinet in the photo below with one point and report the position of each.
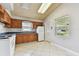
(7, 18)
(18, 24)
(36, 24)
(14, 24)
(1, 9)
(4, 17)
(1, 13)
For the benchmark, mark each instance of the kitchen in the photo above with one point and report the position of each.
(22, 28)
(15, 31)
(39, 29)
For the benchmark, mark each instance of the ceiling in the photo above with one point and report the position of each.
(30, 10)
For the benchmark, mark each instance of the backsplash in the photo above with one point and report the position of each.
(17, 30)
(13, 29)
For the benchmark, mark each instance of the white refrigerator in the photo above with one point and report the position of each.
(40, 31)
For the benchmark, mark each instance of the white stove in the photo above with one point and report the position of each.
(7, 46)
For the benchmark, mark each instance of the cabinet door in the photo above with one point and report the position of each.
(35, 37)
(27, 38)
(30, 37)
(7, 18)
(24, 38)
(4, 17)
(36, 24)
(1, 9)
(16, 23)
(1, 13)
(19, 38)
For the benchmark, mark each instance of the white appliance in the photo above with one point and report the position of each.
(40, 31)
(7, 46)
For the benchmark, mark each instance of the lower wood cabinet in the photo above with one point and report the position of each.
(24, 38)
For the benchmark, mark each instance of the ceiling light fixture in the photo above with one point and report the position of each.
(44, 7)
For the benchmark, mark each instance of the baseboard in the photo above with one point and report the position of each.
(66, 49)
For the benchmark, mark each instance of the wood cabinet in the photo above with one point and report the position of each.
(24, 38)
(4, 17)
(19, 38)
(1, 9)
(1, 13)
(18, 24)
(36, 24)
(14, 24)
(7, 18)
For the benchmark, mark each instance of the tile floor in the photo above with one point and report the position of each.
(38, 49)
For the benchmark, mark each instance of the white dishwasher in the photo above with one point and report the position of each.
(7, 46)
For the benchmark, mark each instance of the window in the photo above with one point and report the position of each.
(27, 26)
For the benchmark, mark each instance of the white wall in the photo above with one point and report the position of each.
(13, 29)
(2, 28)
(65, 9)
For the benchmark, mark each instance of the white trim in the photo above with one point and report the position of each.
(66, 49)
